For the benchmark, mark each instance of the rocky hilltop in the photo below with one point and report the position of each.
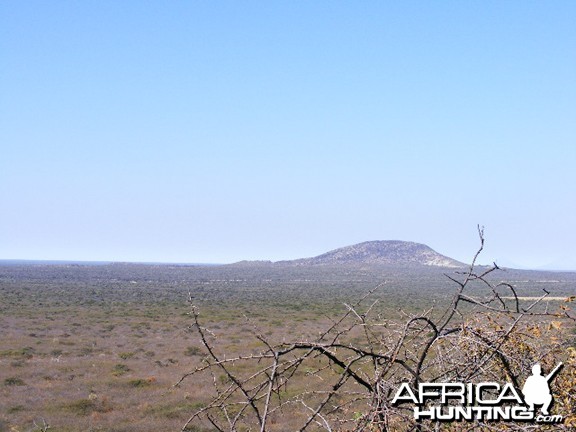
(390, 252)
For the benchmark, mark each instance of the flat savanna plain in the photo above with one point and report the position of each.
(100, 347)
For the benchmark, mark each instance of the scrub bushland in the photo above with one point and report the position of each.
(100, 347)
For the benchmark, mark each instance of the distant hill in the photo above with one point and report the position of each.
(390, 252)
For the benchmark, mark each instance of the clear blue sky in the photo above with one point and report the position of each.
(215, 131)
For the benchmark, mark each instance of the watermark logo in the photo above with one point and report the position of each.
(536, 390)
(486, 401)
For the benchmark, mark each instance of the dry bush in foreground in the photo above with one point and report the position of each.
(347, 377)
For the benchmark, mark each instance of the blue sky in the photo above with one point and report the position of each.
(215, 131)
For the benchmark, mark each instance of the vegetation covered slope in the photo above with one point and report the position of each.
(383, 252)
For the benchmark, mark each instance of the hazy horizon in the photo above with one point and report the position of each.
(481, 261)
(216, 132)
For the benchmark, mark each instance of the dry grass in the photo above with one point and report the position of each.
(110, 370)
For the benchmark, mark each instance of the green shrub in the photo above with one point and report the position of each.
(120, 369)
(27, 353)
(14, 382)
(87, 406)
(139, 382)
(192, 351)
(81, 407)
(126, 355)
(16, 409)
